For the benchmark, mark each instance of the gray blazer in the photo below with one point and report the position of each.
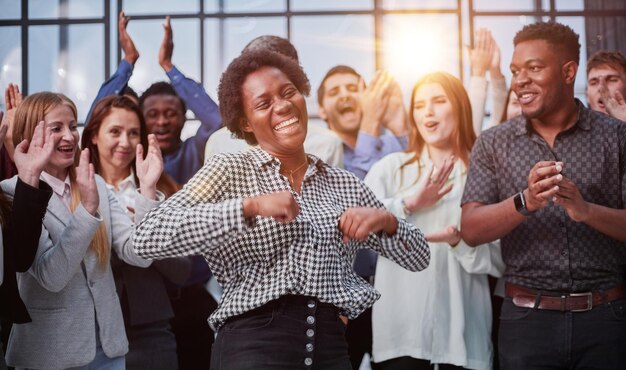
(67, 293)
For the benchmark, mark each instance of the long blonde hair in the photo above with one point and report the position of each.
(28, 114)
(463, 134)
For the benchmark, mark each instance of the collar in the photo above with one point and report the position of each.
(128, 182)
(262, 158)
(58, 186)
(522, 126)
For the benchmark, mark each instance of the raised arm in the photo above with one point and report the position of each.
(117, 82)
(31, 196)
(193, 94)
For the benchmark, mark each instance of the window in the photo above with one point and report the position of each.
(71, 45)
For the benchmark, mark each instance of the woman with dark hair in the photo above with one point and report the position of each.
(279, 228)
(69, 290)
(112, 133)
(443, 314)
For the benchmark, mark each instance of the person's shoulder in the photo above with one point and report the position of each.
(506, 128)
(599, 121)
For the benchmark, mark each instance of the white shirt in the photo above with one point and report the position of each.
(320, 141)
(126, 191)
(443, 313)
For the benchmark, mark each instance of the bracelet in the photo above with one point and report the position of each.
(405, 209)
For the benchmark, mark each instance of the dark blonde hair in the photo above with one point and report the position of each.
(464, 136)
(32, 111)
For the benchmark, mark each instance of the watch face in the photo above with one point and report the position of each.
(520, 204)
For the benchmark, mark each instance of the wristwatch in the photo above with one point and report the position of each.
(520, 204)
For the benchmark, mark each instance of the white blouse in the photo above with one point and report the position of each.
(443, 313)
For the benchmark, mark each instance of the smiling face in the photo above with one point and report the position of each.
(165, 118)
(614, 79)
(275, 112)
(341, 106)
(434, 116)
(117, 139)
(540, 78)
(62, 122)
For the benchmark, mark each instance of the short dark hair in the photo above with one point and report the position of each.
(600, 58)
(129, 91)
(161, 88)
(558, 35)
(340, 69)
(230, 94)
(272, 43)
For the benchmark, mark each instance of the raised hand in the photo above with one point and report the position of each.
(31, 158)
(481, 54)
(131, 54)
(431, 187)
(374, 102)
(395, 118)
(86, 181)
(494, 67)
(149, 169)
(13, 98)
(359, 223)
(615, 105)
(543, 182)
(280, 205)
(449, 234)
(167, 46)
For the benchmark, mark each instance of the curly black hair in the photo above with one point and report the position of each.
(558, 35)
(230, 94)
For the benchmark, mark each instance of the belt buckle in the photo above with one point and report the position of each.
(589, 296)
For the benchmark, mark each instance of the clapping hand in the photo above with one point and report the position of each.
(131, 54)
(149, 169)
(615, 105)
(481, 55)
(167, 46)
(569, 198)
(395, 118)
(431, 187)
(86, 180)
(13, 98)
(31, 158)
(374, 102)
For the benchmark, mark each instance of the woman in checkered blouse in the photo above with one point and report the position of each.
(279, 228)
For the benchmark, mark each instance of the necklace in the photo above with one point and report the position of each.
(291, 172)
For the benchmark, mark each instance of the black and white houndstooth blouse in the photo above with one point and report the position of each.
(259, 260)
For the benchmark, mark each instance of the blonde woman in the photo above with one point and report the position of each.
(69, 289)
(441, 315)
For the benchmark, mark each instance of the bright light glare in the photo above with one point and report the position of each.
(418, 44)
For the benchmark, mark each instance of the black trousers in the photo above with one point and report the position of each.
(293, 332)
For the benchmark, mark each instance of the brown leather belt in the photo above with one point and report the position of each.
(574, 302)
